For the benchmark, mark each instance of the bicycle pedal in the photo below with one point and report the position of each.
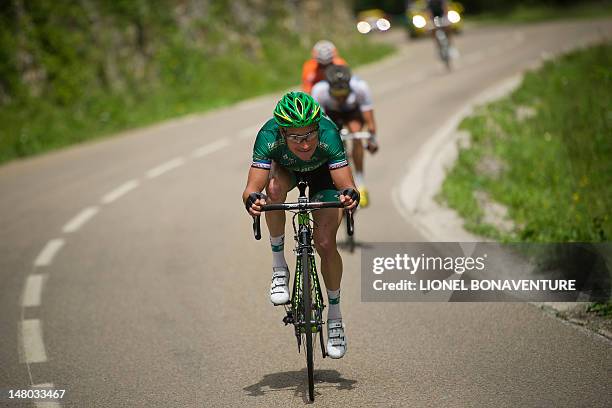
(288, 319)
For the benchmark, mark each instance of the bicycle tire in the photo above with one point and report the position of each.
(307, 304)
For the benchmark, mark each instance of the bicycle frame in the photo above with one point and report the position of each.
(305, 309)
(440, 25)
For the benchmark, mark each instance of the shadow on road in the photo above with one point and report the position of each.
(345, 246)
(296, 381)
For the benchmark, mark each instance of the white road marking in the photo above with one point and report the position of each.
(49, 251)
(50, 403)
(47, 404)
(80, 219)
(413, 196)
(120, 191)
(249, 132)
(33, 346)
(210, 148)
(33, 290)
(165, 167)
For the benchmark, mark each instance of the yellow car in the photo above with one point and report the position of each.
(419, 21)
(372, 20)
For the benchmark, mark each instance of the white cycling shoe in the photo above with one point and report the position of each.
(279, 289)
(336, 339)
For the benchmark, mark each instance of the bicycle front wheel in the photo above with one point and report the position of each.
(307, 305)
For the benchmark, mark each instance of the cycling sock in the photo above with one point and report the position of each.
(333, 297)
(359, 178)
(278, 251)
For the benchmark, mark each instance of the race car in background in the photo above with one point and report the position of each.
(419, 22)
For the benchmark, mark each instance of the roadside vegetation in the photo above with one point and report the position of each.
(75, 71)
(544, 153)
(543, 156)
(532, 12)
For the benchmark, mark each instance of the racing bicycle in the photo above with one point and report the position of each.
(305, 307)
(439, 27)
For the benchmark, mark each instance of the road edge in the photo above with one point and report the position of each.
(415, 195)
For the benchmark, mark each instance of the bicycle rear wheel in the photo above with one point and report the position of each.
(307, 305)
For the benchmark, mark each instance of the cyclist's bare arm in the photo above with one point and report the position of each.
(343, 179)
(256, 182)
(368, 117)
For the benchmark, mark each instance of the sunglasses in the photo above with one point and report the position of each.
(339, 91)
(306, 137)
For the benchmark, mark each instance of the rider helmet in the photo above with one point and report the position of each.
(297, 109)
(324, 52)
(339, 77)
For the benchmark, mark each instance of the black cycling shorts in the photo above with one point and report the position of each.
(321, 186)
(436, 8)
(342, 118)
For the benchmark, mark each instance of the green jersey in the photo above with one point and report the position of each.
(271, 145)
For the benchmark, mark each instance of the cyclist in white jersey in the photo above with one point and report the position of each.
(347, 101)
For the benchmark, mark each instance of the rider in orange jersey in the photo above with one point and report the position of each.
(324, 54)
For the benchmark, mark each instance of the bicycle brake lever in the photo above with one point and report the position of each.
(350, 228)
(257, 227)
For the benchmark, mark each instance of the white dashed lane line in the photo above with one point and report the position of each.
(33, 290)
(48, 253)
(47, 403)
(210, 148)
(165, 167)
(80, 219)
(32, 342)
(30, 330)
(120, 191)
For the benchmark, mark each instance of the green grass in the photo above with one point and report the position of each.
(556, 178)
(539, 13)
(113, 66)
(36, 125)
(601, 309)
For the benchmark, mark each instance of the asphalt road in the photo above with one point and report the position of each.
(156, 294)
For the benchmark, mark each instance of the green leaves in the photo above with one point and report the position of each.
(558, 184)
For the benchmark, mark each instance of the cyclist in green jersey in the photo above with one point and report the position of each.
(300, 142)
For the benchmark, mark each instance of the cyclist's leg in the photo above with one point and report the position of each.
(279, 183)
(355, 125)
(327, 222)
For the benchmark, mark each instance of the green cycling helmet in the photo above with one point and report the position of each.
(297, 109)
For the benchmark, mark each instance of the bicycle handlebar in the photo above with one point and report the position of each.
(302, 206)
(345, 135)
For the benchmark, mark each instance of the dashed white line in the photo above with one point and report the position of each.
(210, 148)
(120, 191)
(48, 253)
(33, 290)
(49, 387)
(47, 404)
(32, 342)
(80, 219)
(165, 167)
